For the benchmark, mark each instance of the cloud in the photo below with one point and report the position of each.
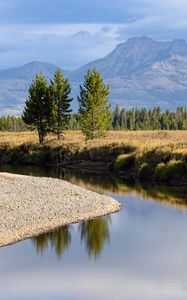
(66, 45)
(82, 11)
(71, 33)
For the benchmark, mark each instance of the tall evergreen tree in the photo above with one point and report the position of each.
(130, 121)
(60, 92)
(38, 106)
(94, 110)
(116, 118)
(123, 119)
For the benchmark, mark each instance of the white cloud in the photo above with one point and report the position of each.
(71, 45)
(61, 44)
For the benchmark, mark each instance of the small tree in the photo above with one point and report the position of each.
(60, 92)
(38, 106)
(94, 110)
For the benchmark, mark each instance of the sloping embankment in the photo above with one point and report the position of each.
(33, 205)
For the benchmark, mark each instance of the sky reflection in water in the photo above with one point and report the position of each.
(138, 253)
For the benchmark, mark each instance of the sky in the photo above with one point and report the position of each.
(70, 33)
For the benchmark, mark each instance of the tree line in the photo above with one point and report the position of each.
(48, 109)
(149, 119)
(142, 119)
(121, 119)
(12, 124)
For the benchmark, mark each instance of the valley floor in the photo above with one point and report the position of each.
(139, 138)
(134, 155)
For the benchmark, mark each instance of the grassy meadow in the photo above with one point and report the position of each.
(143, 155)
(140, 139)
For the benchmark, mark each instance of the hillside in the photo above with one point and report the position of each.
(144, 72)
(141, 72)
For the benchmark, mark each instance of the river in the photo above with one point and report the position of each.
(139, 253)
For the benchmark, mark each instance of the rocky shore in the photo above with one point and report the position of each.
(30, 206)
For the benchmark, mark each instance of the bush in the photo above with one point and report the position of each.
(174, 169)
(124, 162)
(105, 153)
(156, 156)
(145, 172)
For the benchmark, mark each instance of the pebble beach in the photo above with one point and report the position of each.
(30, 206)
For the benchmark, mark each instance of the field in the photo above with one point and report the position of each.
(140, 139)
(142, 155)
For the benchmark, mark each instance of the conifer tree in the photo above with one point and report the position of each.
(38, 106)
(123, 119)
(116, 118)
(130, 121)
(60, 92)
(94, 110)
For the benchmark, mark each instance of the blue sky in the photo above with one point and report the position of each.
(70, 33)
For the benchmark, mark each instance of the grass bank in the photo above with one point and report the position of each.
(159, 156)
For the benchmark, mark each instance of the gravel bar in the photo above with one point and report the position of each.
(30, 206)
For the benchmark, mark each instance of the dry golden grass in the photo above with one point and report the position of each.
(181, 151)
(141, 139)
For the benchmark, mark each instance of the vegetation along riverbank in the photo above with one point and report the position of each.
(135, 153)
(159, 156)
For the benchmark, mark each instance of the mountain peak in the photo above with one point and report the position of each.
(179, 45)
(140, 72)
(179, 42)
(29, 70)
(37, 62)
(142, 39)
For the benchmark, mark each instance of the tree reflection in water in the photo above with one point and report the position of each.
(94, 233)
(59, 239)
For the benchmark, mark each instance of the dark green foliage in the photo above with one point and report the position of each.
(12, 124)
(152, 119)
(158, 164)
(38, 109)
(94, 111)
(145, 172)
(125, 162)
(174, 169)
(26, 154)
(74, 123)
(36, 154)
(106, 153)
(116, 123)
(144, 119)
(155, 156)
(60, 92)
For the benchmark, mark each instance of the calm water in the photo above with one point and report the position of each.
(138, 253)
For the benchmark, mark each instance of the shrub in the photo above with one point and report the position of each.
(145, 172)
(124, 162)
(174, 169)
(156, 156)
(105, 153)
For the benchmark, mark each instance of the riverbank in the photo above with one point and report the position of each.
(169, 195)
(33, 205)
(156, 156)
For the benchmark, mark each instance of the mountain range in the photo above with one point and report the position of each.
(141, 72)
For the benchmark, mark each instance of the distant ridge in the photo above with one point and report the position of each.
(141, 72)
(28, 71)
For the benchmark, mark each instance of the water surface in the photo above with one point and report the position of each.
(139, 253)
